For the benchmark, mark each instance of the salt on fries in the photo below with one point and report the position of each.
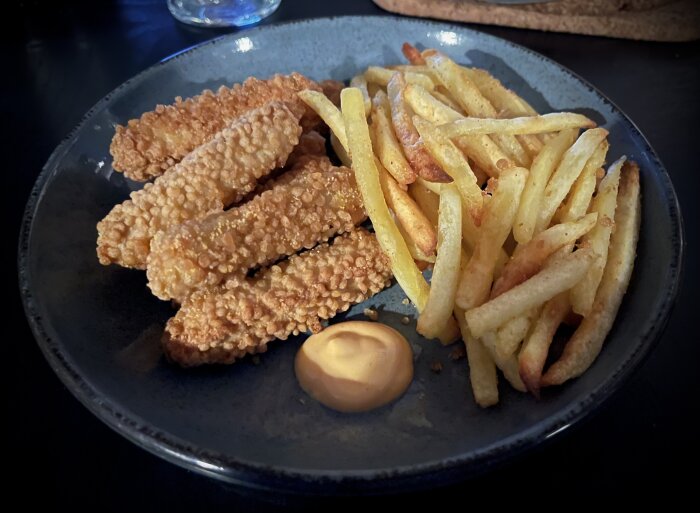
(550, 234)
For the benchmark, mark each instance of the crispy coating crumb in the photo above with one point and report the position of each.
(209, 179)
(304, 206)
(436, 367)
(241, 317)
(371, 314)
(148, 146)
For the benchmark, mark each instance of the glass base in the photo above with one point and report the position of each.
(222, 13)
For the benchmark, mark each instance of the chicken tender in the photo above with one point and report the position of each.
(214, 176)
(148, 146)
(305, 206)
(311, 145)
(224, 324)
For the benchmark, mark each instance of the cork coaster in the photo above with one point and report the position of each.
(648, 20)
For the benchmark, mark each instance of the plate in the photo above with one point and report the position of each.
(250, 423)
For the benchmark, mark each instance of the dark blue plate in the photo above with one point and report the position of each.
(99, 327)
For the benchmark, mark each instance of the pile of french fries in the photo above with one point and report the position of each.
(524, 228)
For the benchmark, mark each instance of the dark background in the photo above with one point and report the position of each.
(64, 56)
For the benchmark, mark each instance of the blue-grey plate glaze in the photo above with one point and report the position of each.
(99, 327)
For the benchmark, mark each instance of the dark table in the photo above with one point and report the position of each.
(64, 56)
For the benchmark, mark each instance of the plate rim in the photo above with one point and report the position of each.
(291, 480)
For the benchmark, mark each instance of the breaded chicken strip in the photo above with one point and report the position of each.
(224, 324)
(148, 146)
(311, 144)
(214, 176)
(301, 208)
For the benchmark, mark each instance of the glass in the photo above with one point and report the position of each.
(222, 13)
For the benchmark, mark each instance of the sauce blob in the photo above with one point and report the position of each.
(355, 366)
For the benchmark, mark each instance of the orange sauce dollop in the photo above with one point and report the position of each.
(355, 366)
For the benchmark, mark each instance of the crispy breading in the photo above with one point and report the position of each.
(148, 146)
(224, 324)
(304, 206)
(311, 144)
(214, 176)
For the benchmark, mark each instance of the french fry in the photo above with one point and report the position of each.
(360, 82)
(512, 333)
(443, 285)
(415, 251)
(387, 146)
(412, 54)
(542, 168)
(508, 365)
(409, 215)
(482, 369)
(508, 103)
(419, 158)
(496, 224)
(447, 100)
(516, 126)
(427, 200)
(328, 112)
(569, 169)
(382, 76)
(529, 258)
(480, 148)
(367, 176)
(598, 239)
(532, 144)
(533, 354)
(584, 186)
(468, 96)
(550, 281)
(587, 341)
(454, 164)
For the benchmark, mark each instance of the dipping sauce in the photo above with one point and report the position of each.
(355, 366)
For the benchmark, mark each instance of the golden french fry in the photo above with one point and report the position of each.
(532, 144)
(516, 126)
(412, 54)
(512, 333)
(468, 96)
(328, 112)
(482, 369)
(415, 251)
(454, 164)
(387, 146)
(419, 158)
(506, 102)
(427, 200)
(587, 341)
(569, 169)
(508, 365)
(584, 186)
(409, 215)
(360, 82)
(598, 240)
(382, 76)
(447, 100)
(550, 281)
(529, 258)
(480, 148)
(542, 168)
(443, 285)
(367, 176)
(496, 224)
(533, 354)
